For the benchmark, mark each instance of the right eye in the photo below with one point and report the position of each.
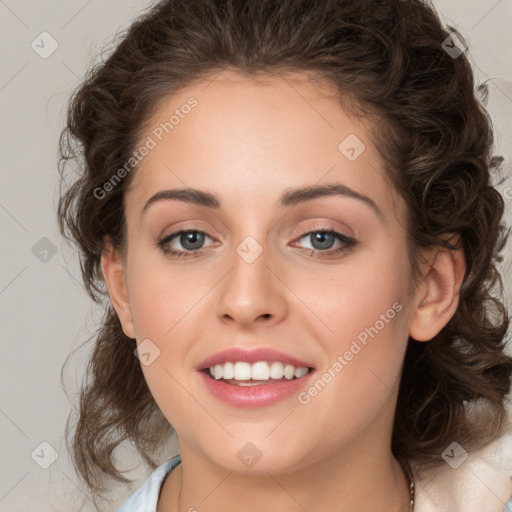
(191, 240)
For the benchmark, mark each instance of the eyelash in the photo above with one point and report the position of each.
(348, 243)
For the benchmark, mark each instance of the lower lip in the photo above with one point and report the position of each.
(258, 395)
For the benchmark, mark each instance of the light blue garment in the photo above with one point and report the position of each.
(508, 506)
(145, 498)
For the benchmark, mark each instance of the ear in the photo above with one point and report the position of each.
(114, 275)
(437, 296)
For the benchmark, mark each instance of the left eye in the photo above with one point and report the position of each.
(323, 240)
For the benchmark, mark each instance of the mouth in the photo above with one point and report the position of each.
(255, 378)
(242, 373)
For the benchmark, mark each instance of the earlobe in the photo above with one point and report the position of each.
(113, 273)
(437, 297)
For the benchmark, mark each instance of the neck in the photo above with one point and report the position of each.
(352, 480)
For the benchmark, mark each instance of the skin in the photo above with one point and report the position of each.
(248, 141)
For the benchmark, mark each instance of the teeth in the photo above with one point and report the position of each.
(289, 371)
(276, 370)
(260, 370)
(300, 372)
(242, 371)
(228, 371)
(217, 371)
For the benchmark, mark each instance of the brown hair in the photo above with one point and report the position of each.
(386, 57)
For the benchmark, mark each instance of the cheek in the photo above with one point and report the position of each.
(162, 305)
(165, 304)
(357, 390)
(163, 298)
(352, 298)
(364, 317)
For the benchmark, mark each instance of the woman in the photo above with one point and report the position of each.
(291, 209)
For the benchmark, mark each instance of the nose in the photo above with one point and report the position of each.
(252, 293)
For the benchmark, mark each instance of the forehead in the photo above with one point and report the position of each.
(257, 137)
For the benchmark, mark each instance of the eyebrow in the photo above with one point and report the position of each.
(290, 197)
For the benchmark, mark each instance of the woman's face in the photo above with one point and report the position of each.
(274, 165)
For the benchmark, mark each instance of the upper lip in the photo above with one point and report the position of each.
(250, 356)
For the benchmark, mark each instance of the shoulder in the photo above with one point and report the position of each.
(476, 481)
(145, 498)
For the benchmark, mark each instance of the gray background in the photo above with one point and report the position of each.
(45, 313)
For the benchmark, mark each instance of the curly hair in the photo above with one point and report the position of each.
(386, 59)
